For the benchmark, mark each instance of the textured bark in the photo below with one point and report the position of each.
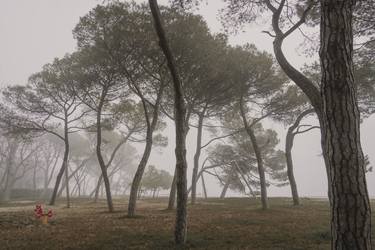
(63, 166)
(147, 151)
(350, 207)
(258, 156)
(180, 112)
(196, 158)
(288, 154)
(225, 189)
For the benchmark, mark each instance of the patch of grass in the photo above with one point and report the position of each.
(233, 223)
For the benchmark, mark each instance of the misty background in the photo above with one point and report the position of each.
(35, 32)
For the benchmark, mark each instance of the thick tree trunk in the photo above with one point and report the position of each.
(63, 166)
(196, 158)
(225, 189)
(180, 112)
(350, 206)
(146, 154)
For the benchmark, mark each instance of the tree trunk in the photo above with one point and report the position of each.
(180, 112)
(63, 166)
(102, 165)
(288, 154)
(196, 158)
(350, 206)
(97, 188)
(258, 155)
(225, 189)
(172, 193)
(204, 187)
(305, 84)
(67, 187)
(289, 165)
(146, 154)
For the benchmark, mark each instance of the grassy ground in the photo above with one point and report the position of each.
(234, 223)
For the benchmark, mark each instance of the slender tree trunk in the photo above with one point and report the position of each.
(288, 154)
(204, 187)
(63, 166)
(100, 157)
(225, 189)
(350, 206)
(196, 158)
(289, 164)
(258, 155)
(97, 188)
(262, 177)
(180, 113)
(67, 187)
(146, 154)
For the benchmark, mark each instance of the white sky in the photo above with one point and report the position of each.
(33, 32)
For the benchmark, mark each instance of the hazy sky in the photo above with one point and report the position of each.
(33, 32)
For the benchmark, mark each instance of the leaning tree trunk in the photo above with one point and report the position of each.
(289, 141)
(63, 166)
(225, 189)
(350, 206)
(258, 156)
(146, 154)
(204, 187)
(196, 158)
(97, 188)
(262, 177)
(138, 175)
(180, 112)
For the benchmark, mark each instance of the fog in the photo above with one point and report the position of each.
(34, 32)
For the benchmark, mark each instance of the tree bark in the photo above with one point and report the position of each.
(99, 153)
(258, 155)
(172, 193)
(180, 112)
(196, 158)
(97, 188)
(350, 206)
(63, 166)
(225, 189)
(289, 141)
(204, 187)
(305, 84)
(146, 154)
(67, 187)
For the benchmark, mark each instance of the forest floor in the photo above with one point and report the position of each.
(232, 223)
